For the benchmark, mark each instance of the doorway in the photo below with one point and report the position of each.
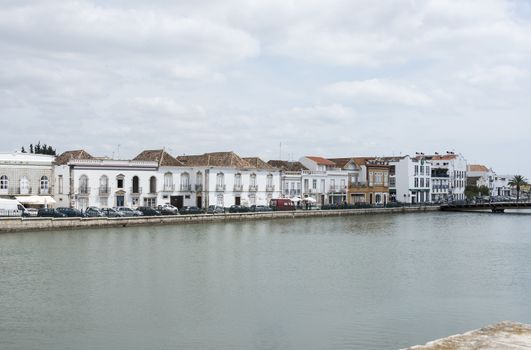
(237, 200)
(120, 201)
(177, 201)
(198, 202)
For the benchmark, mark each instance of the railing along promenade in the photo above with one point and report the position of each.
(495, 207)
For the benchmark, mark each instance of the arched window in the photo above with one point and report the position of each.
(4, 182)
(153, 185)
(83, 184)
(136, 187)
(269, 183)
(252, 180)
(198, 181)
(220, 182)
(168, 181)
(185, 182)
(24, 185)
(104, 184)
(44, 184)
(238, 182)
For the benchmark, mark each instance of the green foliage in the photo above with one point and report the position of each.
(518, 181)
(41, 149)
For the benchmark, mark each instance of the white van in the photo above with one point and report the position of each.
(11, 207)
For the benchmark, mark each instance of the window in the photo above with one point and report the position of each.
(416, 182)
(220, 179)
(185, 182)
(416, 169)
(198, 178)
(219, 200)
(150, 202)
(120, 181)
(342, 183)
(44, 184)
(378, 178)
(104, 184)
(4, 182)
(83, 184)
(269, 180)
(153, 184)
(60, 184)
(24, 185)
(323, 186)
(238, 180)
(314, 184)
(168, 182)
(421, 182)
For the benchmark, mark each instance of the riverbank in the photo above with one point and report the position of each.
(41, 224)
(504, 335)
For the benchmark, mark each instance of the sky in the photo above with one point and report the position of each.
(272, 78)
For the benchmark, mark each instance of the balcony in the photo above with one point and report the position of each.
(337, 189)
(83, 191)
(270, 188)
(238, 188)
(199, 188)
(135, 190)
(186, 188)
(220, 188)
(168, 188)
(253, 188)
(22, 190)
(358, 184)
(104, 191)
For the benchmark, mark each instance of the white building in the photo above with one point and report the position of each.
(83, 181)
(448, 176)
(324, 180)
(27, 177)
(231, 180)
(410, 179)
(480, 175)
(290, 177)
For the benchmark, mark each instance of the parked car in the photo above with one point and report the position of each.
(215, 209)
(168, 209)
(149, 211)
(112, 213)
(50, 213)
(30, 212)
(190, 210)
(71, 212)
(128, 211)
(259, 208)
(238, 209)
(93, 212)
(11, 207)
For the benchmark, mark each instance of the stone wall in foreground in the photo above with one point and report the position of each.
(39, 224)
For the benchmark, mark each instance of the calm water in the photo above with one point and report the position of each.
(363, 282)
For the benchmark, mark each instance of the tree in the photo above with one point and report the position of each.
(31, 148)
(41, 149)
(518, 181)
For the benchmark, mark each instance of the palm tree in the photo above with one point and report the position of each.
(518, 181)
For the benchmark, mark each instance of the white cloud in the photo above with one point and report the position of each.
(379, 91)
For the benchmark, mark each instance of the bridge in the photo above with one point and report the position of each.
(495, 207)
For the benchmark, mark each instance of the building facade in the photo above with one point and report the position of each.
(448, 177)
(27, 177)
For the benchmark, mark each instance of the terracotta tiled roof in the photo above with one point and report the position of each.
(340, 162)
(219, 159)
(287, 166)
(258, 163)
(67, 156)
(477, 168)
(321, 160)
(442, 157)
(160, 156)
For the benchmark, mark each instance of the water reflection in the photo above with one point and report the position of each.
(376, 281)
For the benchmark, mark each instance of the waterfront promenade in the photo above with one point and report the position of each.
(39, 224)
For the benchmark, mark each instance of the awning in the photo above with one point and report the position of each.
(35, 200)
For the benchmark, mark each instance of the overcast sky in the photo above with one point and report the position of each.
(331, 78)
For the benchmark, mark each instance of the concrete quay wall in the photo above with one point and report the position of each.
(41, 224)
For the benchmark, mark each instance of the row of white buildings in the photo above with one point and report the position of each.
(78, 179)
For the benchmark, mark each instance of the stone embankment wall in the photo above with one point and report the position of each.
(39, 224)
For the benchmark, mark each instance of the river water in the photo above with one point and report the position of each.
(360, 282)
